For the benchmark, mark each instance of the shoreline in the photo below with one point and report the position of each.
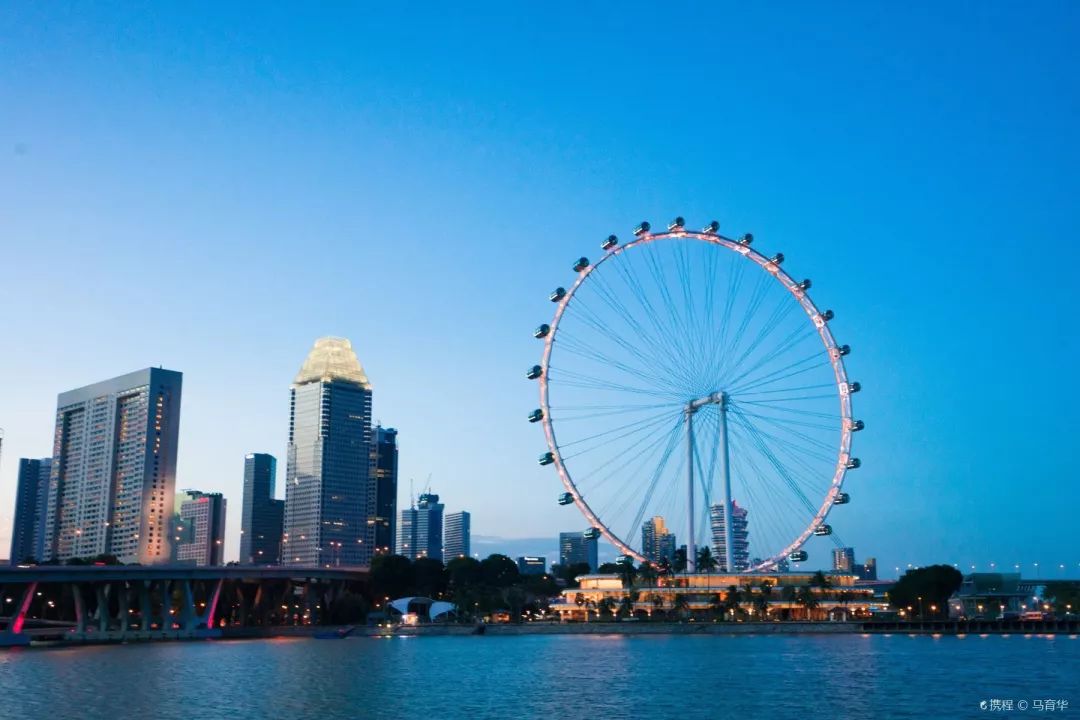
(932, 628)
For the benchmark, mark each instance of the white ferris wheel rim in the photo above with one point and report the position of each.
(815, 316)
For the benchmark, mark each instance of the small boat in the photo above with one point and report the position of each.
(339, 634)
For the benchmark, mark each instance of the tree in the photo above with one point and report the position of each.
(648, 574)
(657, 601)
(606, 607)
(681, 605)
(391, 577)
(609, 568)
(819, 580)
(716, 605)
(732, 598)
(570, 573)
(1063, 595)
(934, 584)
(706, 561)
(627, 572)
(429, 577)
(806, 597)
(626, 605)
(761, 600)
(499, 571)
(463, 572)
(679, 563)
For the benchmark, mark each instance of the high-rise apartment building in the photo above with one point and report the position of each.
(456, 535)
(113, 473)
(199, 528)
(575, 548)
(263, 517)
(327, 492)
(657, 543)
(843, 559)
(31, 503)
(384, 465)
(740, 537)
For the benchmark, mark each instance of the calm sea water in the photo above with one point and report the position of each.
(714, 677)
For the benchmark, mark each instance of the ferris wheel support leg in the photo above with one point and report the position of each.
(691, 547)
(725, 476)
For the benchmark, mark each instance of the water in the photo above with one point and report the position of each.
(544, 676)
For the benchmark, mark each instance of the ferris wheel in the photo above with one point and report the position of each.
(689, 387)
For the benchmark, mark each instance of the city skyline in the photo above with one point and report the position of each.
(888, 176)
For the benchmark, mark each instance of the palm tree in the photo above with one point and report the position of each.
(647, 572)
(657, 602)
(606, 607)
(681, 604)
(808, 599)
(716, 605)
(789, 595)
(819, 580)
(761, 600)
(626, 606)
(705, 560)
(731, 600)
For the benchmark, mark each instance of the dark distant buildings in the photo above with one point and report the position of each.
(456, 536)
(384, 470)
(327, 491)
(575, 548)
(843, 559)
(529, 565)
(867, 570)
(420, 532)
(263, 517)
(657, 543)
(31, 503)
(113, 472)
(199, 528)
(740, 537)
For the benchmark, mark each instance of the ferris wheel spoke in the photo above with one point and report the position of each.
(593, 321)
(788, 343)
(776, 407)
(795, 441)
(582, 380)
(628, 434)
(673, 438)
(617, 429)
(658, 351)
(774, 378)
(780, 468)
(774, 321)
(791, 421)
(574, 346)
(741, 383)
(760, 291)
(776, 391)
(646, 450)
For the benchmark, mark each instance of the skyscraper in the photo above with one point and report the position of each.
(740, 537)
(31, 503)
(420, 532)
(656, 542)
(456, 533)
(114, 469)
(263, 517)
(327, 491)
(843, 559)
(575, 548)
(384, 465)
(199, 528)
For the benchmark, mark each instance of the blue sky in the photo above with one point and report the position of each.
(211, 188)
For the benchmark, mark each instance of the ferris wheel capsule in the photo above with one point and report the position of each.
(546, 459)
(822, 530)
(712, 228)
(542, 331)
(676, 224)
(776, 259)
(557, 294)
(853, 387)
(747, 238)
(566, 499)
(854, 464)
(534, 372)
(611, 242)
(828, 315)
(798, 556)
(581, 264)
(591, 534)
(804, 285)
(643, 228)
(842, 499)
(857, 425)
(536, 415)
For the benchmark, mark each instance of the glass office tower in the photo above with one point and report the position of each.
(262, 519)
(327, 490)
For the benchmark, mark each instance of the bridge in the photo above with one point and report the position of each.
(90, 603)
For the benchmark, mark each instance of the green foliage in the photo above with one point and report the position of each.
(934, 584)
(391, 576)
(429, 577)
(570, 573)
(1063, 595)
(499, 571)
(706, 561)
(679, 564)
(349, 608)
